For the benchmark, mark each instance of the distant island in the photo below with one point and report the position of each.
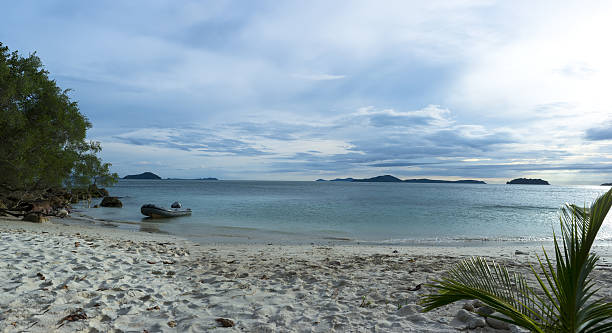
(527, 181)
(393, 179)
(144, 175)
(342, 180)
(207, 178)
(380, 179)
(438, 181)
(606, 184)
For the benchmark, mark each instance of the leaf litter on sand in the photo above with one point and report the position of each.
(78, 314)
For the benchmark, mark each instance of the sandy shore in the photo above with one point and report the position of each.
(116, 280)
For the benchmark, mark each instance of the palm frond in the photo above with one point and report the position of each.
(564, 302)
(505, 292)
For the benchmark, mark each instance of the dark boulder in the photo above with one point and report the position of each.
(111, 202)
(36, 218)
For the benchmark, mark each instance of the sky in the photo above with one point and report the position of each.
(301, 90)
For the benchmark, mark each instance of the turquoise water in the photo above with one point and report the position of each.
(394, 213)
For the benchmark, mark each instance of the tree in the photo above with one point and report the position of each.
(42, 132)
(566, 301)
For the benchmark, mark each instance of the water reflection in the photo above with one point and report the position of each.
(151, 227)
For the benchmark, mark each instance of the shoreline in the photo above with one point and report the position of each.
(79, 217)
(134, 281)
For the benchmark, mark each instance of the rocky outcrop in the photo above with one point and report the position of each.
(49, 202)
(111, 202)
(606, 184)
(528, 181)
(144, 175)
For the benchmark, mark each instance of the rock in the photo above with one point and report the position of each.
(225, 322)
(62, 212)
(41, 206)
(468, 306)
(518, 252)
(36, 218)
(484, 311)
(496, 323)
(478, 303)
(111, 202)
(470, 319)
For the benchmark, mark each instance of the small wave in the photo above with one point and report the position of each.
(456, 240)
(526, 207)
(338, 238)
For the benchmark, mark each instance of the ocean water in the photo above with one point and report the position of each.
(379, 213)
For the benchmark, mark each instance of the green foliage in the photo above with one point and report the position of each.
(565, 301)
(42, 132)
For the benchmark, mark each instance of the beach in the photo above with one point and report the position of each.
(68, 277)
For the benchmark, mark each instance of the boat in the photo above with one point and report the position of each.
(155, 211)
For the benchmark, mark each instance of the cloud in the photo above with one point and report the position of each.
(430, 115)
(200, 141)
(599, 133)
(329, 87)
(578, 70)
(398, 164)
(319, 77)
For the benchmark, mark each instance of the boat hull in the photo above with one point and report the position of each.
(157, 212)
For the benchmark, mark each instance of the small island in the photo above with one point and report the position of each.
(393, 179)
(528, 181)
(144, 175)
(606, 184)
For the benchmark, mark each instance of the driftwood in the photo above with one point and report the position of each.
(7, 212)
(23, 213)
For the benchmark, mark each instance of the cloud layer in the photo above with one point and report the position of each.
(304, 90)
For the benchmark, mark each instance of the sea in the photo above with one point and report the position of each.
(303, 212)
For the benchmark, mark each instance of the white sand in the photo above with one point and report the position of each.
(132, 281)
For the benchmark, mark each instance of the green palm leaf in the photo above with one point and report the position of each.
(564, 301)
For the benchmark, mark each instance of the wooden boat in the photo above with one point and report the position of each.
(161, 212)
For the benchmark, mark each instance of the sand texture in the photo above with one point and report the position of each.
(62, 278)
